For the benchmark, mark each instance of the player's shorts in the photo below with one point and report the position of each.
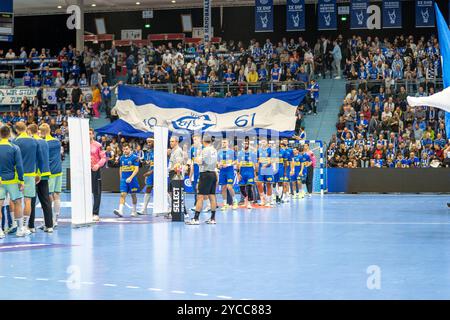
(12, 190)
(207, 183)
(265, 178)
(295, 177)
(149, 181)
(247, 178)
(281, 175)
(54, 184)
(226, 176)
(132, 187)
(29, 188)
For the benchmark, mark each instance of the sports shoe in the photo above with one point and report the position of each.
(117, 213)
(235, 205)
(142, 213)
(186, 216)
(192, 222)
(134, 214)
(210, 221)
(2, 234)
(32, 230)
(249, 206)
(225, 207)
(20, 233)
(48, 230)
(193, 209)
(268, 204)
(26, 231)
(95, 218)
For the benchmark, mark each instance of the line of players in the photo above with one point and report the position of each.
(30, 166)
(277, 173)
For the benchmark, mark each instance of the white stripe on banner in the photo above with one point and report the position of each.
(274, 114)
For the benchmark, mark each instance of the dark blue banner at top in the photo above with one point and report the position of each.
(327, 15)
(263, 15)
(358, 14)
(295, 15)
(424, 13)
(6, 6)
(392, 14)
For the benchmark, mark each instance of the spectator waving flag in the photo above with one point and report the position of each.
(441, 99)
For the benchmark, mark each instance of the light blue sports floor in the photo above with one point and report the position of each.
(330, 247)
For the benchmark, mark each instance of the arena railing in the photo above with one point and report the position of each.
(411, 85)
(234, 88)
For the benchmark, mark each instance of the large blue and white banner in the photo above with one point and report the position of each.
(142, 109)
(424, 13)
(327, 15)
(358, 14)
(295, 15)
(392, 14)
(263, 15)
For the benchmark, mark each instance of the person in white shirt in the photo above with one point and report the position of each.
(10, 54)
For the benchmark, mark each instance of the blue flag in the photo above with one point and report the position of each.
(444, 46)
(295, 15)
(424, 13)
(392, 14)
(327, 15)
(263, 15)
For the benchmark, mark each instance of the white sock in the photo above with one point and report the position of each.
(19, 223)
(57, 209)
(25, 221)
(133, 208)
(146, 201)
(120, 208)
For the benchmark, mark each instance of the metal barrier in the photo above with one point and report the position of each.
(411, 85)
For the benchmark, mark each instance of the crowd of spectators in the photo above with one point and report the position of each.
(402, 59)
(382, 130)
(375, 129)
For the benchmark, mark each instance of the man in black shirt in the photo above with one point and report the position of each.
(61, 97)
(77, 97)
(134, 78)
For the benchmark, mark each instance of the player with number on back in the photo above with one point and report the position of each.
(225, 161)
(129, 168)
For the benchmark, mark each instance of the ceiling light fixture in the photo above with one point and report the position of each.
(138, 3)
(93, 5)
(173, 1)
(59, 7)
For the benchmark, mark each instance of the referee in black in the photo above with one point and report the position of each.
(207, 181)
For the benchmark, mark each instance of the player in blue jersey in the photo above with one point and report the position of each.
(282, 175)
(225, 161)
(149, 158)
(11, 178)
(295, 176)
(265, 173)
(55, 181)
(129, 168)
(246, 163)
(29, 150)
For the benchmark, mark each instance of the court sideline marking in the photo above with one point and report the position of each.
(113, 285)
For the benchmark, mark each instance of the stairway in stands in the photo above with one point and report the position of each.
(323, 125)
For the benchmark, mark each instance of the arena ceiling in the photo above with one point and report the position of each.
(37, 7)
(33, 7)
